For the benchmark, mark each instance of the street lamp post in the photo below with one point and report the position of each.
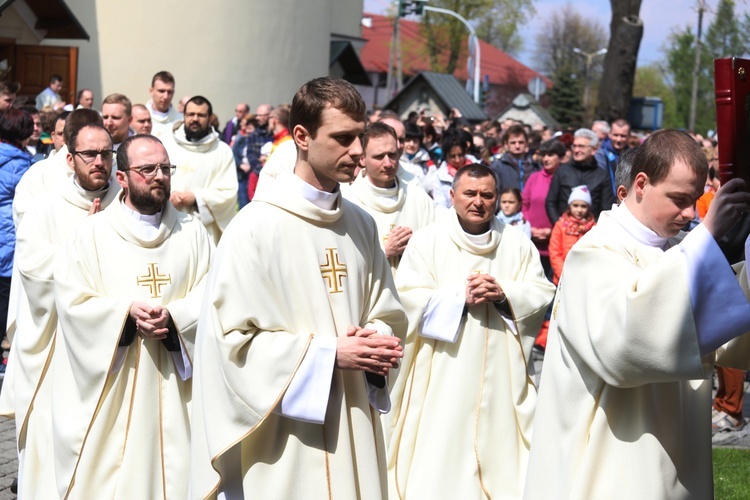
(476, 45)
(589, 59)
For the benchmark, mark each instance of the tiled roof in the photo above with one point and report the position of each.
(501, 68)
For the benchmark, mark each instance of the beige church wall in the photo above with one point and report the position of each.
(346, 17)
(228, 51)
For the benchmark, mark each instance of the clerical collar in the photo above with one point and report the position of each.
(90, 195)
(160, 114)
(479, 239)
(391, 192)
(321, 199)
(146, 226)
(636, 228)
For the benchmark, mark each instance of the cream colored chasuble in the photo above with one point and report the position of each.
(288, 274)
(464, 399)
(121, 426)
(625, 395)
(403, 205)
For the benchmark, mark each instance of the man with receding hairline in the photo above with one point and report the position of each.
(308, 425)
(141, 123)
(475, 294)
(625, 394)
(128, 287)
(85, 99)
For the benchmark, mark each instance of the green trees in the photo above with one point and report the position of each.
(497, 22)
(565, 97)
(726, 36)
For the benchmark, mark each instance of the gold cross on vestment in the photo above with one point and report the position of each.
(154, 281)
(333, 271)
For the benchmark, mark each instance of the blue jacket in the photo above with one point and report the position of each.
(13, 164)
(607, 158)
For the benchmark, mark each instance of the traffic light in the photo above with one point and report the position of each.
(408, 7)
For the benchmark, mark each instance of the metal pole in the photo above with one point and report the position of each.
(696, 67)
(391, 61)
(477, 62)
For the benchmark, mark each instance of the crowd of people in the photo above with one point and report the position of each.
(316, 300)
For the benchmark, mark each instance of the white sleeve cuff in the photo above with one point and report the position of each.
(378, 398)
(720, 308)
(441, 319)
(204, 214)
(306, 399)
(182, 363)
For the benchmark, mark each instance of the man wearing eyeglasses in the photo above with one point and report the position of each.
(49, 175)
(128, 288)
(205, 184)
(45, 229)
(583, 170)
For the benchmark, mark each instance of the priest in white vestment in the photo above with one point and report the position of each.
(297, 330)
(163, 114)
(475, 294)
(399, 208)
(44, 232)
(51, 174)
(205, 184)
(625, 394)
(128, 289)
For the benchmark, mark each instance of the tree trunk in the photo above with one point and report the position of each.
(616, 88)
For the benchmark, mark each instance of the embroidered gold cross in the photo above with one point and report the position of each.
(154, 281)
(333, 271)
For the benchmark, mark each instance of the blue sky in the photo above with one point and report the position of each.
(660, 18)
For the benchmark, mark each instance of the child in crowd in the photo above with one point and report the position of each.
(510, 210)
(574, 223)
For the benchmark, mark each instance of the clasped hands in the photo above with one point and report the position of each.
(481, 289)
(182, 199)
(152, 322)
(368, 350)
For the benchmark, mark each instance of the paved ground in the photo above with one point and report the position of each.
(8, 462)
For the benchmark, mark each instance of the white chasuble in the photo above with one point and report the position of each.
(404, 205)
(42, 179)
(26, 391)
(287, 271)
(625, 394)
(206, 168)
(121, 429)
(463, 409)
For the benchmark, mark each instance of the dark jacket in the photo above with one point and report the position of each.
(575, 174)
(512, 173)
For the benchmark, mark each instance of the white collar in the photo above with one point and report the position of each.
(147, 226)
(479, 239)
(623, 216)
(321, 199)
(391, 192)
(90, 195)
